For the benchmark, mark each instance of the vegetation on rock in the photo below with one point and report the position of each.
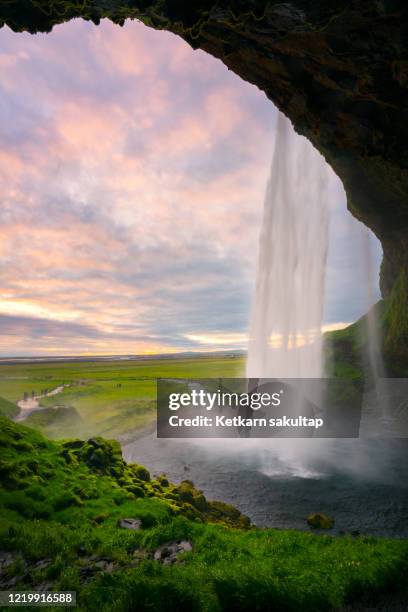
(347, 350)
(319, 520)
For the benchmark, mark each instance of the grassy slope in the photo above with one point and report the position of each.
(110, 398)
(346, 350)
(8, 408)
(71, 495)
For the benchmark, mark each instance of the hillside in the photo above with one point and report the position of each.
(61, 509)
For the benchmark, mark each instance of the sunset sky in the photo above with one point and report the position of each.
(132, 177)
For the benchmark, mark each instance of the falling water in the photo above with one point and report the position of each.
(374, 349)
(376, 417)
(285, 330)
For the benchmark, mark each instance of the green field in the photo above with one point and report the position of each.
(109, 398)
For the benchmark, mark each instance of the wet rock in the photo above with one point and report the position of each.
(130, 523)
(7, 559)
(42, 563)
(139, 554)
(105, 564)
(320, 521)
(94, 564)
(169, 553)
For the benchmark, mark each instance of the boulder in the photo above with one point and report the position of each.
(130, 523)
(320, 521)
(168, 553)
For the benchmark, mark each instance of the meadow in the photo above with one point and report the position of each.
(108, 398)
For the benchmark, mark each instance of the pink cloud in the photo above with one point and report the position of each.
(127, 177)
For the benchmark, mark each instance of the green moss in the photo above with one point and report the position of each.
(346, 350)
(136, 491)
(140, 472)
(77, 480)
(185, 491)
(396, 326)
(67, 499)
(163, 480)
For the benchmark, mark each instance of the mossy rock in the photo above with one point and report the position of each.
(222, 509)
(171, 496)
(69, 456)
(185, 491)
(140, 472)
(319, 520)
(101, 518)
(163, 480)
(221, 512)
(73, 444)
(116, 471)
(200, 502)
(102, 455)
(190, 512)
(136, 491)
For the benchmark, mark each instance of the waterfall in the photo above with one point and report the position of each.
(374, 348)
(376, 416)
(285, 328)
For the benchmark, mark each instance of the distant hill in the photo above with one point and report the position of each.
(10, 360)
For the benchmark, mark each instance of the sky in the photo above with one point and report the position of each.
(132, 179)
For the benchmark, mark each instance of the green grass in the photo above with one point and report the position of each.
(60, 504)
(395, 322)
(347, 350)
(105, 398)
(8, 408)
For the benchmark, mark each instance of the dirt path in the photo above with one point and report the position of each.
(32, 404)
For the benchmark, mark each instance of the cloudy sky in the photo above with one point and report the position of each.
(132, 177)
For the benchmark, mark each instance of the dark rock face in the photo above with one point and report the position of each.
(338, 69)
